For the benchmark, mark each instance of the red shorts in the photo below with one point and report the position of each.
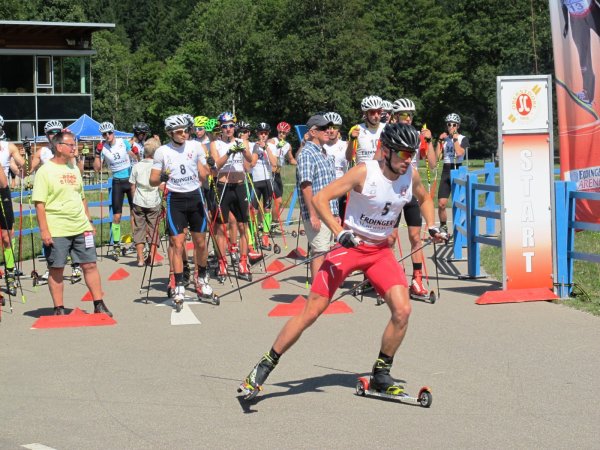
(377, 262)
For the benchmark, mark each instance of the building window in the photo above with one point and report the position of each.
(44, 71)
(16, 74)
(72, 75)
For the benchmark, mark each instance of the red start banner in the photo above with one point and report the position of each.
(576, 42)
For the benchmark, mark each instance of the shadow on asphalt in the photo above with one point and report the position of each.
(475, 290)
(37, 313)
(314, 384)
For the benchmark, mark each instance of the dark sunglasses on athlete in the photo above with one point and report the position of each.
(107, 133)
(199, 128)
(333, 127)
(451, 124)
(405, 115)
(227, 125)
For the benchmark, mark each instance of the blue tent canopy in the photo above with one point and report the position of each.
(86, 129)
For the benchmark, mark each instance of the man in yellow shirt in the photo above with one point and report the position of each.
(65, 224)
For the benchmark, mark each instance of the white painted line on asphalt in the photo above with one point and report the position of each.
(37, 447)
(186, 315)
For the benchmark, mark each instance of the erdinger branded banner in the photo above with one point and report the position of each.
(576, 40)
(526, 179)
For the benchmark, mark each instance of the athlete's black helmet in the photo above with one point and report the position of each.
(400, 135)
(141, 127)
(263, 126)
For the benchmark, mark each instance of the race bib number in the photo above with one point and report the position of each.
(89, 239)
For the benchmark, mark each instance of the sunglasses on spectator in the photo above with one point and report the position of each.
(227, 125)
(324, 128)
(451, 124)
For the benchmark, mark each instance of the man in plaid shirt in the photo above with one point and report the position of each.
(315, 170)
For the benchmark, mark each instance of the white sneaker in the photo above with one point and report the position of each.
(203, 288)
(76, 272)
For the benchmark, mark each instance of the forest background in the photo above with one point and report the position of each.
(274, 60)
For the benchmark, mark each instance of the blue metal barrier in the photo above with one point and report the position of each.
(466, 191)
(566, 197)
(107, 187)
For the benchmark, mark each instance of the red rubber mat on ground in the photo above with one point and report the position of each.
(77, 318)
(88, 297)
(275, 266)
(119, 274)
(296, 307)
(297, 253)
(270, 283)
(516, 296)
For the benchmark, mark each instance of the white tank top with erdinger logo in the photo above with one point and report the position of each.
(5, 157)
(367, 142)
(373, 213)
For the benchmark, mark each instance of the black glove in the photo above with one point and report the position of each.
(347, 239)
(27, 146)
(164, 177)
(210, 161)
(434, 231)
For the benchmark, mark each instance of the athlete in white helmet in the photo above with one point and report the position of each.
(182, 165)
(233, 158)
(452, 147)
(364, 138)
(336, 147)
(117, 154)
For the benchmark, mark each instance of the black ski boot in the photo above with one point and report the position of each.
(252, 385)
(11, 284)
(382, 381)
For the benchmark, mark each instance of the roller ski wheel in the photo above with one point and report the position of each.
(379, 301)
(302, 233)
(213, 299)
(432, 297)
(276, 249)
(115, 253)
(178, 305)
(424, 399)
(294, 233)
(221, 278)
(35, 277)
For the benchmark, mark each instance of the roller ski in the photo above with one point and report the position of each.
(11, 283)
(417, 291)
(43, 279)
(254, 257)
(243, 270)
(222, 273)
(264, 243)
(381, 384)
(253, 383)
(76, 274)
(115, 252)
(205, 292)
(424, 399)
(178, 297)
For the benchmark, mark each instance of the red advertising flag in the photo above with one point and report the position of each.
(576, 42)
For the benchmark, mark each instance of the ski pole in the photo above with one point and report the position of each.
(366, 280)
(285, 269)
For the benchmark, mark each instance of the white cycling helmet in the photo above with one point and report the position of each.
(106, 127)
(403, 104)
(371, 102)
(333, 117)
(52, 125)
(176, 122)
(387, 106)
(453, 117)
